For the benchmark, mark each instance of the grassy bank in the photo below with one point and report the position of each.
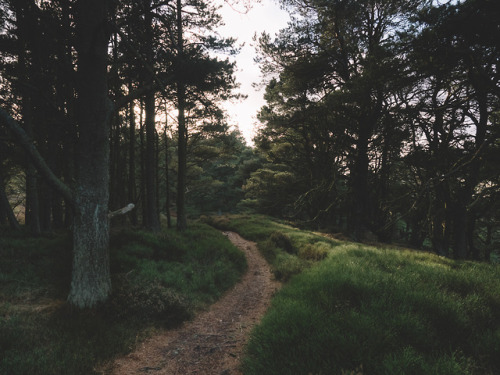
(288, 250)
(158, 281)
(365, 310)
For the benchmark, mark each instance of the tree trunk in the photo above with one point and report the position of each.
(153, 221)
(24, 16)
(460, 231)
(359, 211)
(5, 207)
(143, 167)
(131, 162)
(182, 143)
(167, 179)
(91, 281)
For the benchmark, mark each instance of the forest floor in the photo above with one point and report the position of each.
(214, 341)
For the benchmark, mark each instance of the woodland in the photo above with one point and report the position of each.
(381, 123)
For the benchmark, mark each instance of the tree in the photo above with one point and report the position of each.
(333, 90)
(453, 101)
(91, 282)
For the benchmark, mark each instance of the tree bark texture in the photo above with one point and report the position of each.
(91, 281)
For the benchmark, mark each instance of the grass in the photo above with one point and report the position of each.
(158, 281)
(287, 249)
(353, 309)
(384, 311)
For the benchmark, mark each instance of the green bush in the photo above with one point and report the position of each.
(282, 241)
(144, 299)
(314, 252)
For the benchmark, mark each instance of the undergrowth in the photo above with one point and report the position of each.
(158, 281)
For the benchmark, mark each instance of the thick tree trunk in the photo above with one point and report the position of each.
(460, 231)
(359, 212)
(91, 281)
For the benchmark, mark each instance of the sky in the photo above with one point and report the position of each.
(265, 15)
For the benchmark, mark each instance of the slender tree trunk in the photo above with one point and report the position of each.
(167, 179)
(24, 16)
(182, 130)
(91, 281)
(143, 167)
(149, 102)
(131, 163)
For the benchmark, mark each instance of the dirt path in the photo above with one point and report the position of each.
(214, 341)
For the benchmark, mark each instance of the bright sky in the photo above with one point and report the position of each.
(263, 16)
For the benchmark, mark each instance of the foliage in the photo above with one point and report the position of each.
(159, 281)
(385, 312)
(355, 147)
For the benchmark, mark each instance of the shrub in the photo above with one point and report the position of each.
(282, 241)
(144, 299)
(315, 252)
(286, 265)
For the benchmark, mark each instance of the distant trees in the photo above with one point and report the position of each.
(379, 118)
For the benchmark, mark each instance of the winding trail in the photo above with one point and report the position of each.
(212, 343)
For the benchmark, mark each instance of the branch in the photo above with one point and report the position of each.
(136, 94)
(37, 159)
(121, 211)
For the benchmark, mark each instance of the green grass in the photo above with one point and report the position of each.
(287, 249)
(354, 309)
(385, 312)
(158, 281)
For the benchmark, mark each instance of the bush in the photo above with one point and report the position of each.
(282, 241)
(315, 252)
(285, 266)
(144, 299)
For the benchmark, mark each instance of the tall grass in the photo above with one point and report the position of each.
(377, 311)
(158, 281)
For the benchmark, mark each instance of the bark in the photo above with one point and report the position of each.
(143, 167)
(5, 207)
(360, 210)
(131, 161)
(153, 221)
(26, 24)
(121, 211)
(460, 231)
(182, 130)
(167, 179)
(91, 281)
